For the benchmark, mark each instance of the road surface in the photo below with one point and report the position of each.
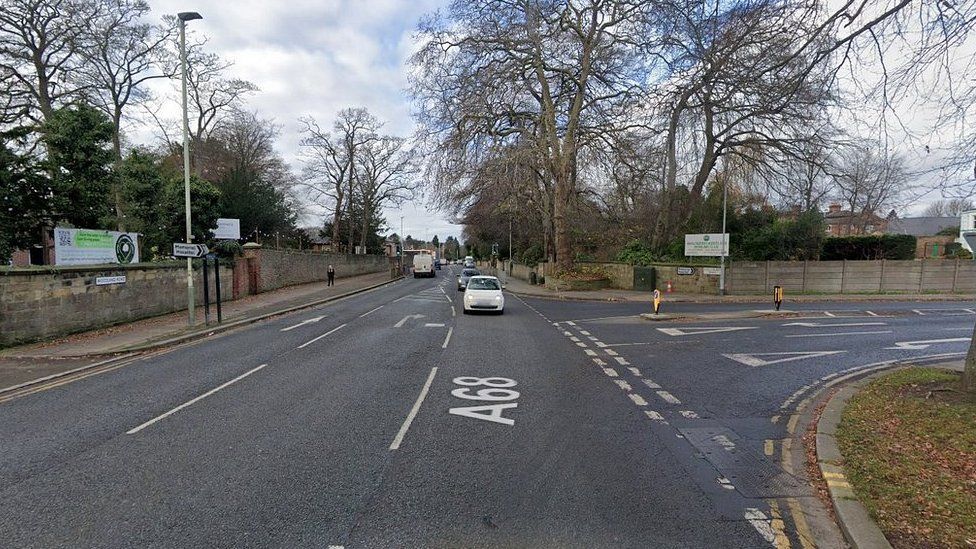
(389, 419)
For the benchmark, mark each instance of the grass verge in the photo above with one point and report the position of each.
(909, 446)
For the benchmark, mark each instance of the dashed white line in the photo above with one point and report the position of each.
(668, 397)
(610, 372)
(448, 338)
(610, 352)
(581, 344)
(651, 384)
(623, 385)
(601, 344)
(621, 360)
(689, 414)
(638, 400)
(870, 313)
(635, 371)
(332, 331)
(192, 401)
(574, 339)
(590, 352)
(655, 416)
(828, 313)
(370, 312)
(414, 410)
(725, 483)
(584, 332)
(434, 325)
(599, 362)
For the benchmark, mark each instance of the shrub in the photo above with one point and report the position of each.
(532, 255)
(886, 246)
(228, 248)
(636, 252)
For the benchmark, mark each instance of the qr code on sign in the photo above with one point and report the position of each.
(64, 238)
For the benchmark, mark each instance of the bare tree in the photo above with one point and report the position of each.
(39, 44)
(356, 127)
(868, 182)
(557, 75)
(949, 207)
(386, 170)
(324, 172)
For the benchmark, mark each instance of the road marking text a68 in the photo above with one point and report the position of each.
(496, 389)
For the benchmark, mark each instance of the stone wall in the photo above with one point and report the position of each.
(280, 268)
(41, 303)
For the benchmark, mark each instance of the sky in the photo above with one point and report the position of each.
(313, 58)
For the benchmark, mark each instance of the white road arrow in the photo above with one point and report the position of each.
(405, 319)
(300, 324)
(816, 325)
(914, 345)
(698, 331)
(754, 359)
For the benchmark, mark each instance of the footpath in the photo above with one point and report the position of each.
(522, 288)
(25, 363)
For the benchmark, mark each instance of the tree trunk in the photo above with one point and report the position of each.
(117, 184)
(336, 218)
(969, 374)
(564, 189)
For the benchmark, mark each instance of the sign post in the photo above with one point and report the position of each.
(181, 249)
(657, 301)
(710, 245)
(777, 296)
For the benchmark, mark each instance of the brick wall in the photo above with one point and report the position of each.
(41, 303)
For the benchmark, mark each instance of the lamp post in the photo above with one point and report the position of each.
(183, 18)
(403, 248)
(721, 274)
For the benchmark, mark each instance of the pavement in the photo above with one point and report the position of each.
(26, 362)
(391, 419)
(523, 288)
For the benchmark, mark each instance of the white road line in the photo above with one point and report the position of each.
(600, 344)
(621, 360)
(655, 416)
(689, 414)
(434, 325)
(568, 334)
(590, 352)
(635, 371)
(333, 330)
(453, 311)
(870, 313)
(574, 339)
(623, 385)
(190, 402)
(571, 323)
(916, 311)
(841, 334)
(369, 312)
(448, 338)
(414, 410)
(761, 523)
(599, 362)
(638, 400)
(584, 332)
(828, 313)
(302, 323)
(651, 384)
(668, 397)
(610, 372)
(610, 352)
(725, 483)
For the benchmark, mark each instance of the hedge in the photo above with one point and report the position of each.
(885, 246)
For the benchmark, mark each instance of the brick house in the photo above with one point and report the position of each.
(841, 222)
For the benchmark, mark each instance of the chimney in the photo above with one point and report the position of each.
(834, 208)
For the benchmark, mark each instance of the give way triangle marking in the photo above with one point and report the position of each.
(754, 359)
(706, 330)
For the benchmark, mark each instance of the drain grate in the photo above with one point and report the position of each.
(755, 476)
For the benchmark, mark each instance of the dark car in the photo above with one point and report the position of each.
(466, 275)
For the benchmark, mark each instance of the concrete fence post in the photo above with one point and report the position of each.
(766, 279)
(803, 281)
(921, 277)
(955, 275)
(843, 275)
(881, 278)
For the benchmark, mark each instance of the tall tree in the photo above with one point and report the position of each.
(24, 197)
(385, 174)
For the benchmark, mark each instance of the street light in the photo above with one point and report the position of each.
(183, 18)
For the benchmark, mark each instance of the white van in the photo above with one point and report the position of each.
(423, 265)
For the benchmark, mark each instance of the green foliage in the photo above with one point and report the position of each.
(782, 240)
(23, 200)
(956, 251)
(257, 203)
(79, 159)
(886, 246)
(228, 248)
(532, 255)
(636, 252)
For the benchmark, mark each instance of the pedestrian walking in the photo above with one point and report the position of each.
(331, 273)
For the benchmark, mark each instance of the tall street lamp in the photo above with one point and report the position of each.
(183, 18)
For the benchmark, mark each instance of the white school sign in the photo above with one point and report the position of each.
(706, 245)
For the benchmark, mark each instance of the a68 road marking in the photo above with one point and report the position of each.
(496, 389)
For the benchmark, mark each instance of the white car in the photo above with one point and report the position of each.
(484, 293)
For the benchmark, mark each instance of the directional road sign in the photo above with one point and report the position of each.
(182, 249)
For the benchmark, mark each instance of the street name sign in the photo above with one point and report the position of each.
(709, 245)
(182, 249)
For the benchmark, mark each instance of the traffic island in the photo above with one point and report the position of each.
(898, 453)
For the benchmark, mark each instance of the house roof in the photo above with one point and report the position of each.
(921, 226)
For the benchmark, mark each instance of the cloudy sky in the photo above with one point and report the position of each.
(314, 57)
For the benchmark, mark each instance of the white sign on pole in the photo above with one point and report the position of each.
(106, 280)
(91, 247)
(228, 229)
(706, 245)
(712, 271)
(182, 249)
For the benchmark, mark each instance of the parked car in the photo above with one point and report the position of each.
(466, 274)
(484, 293)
